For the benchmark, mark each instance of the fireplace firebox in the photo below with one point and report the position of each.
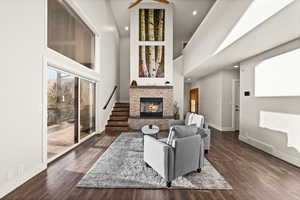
(151, 107)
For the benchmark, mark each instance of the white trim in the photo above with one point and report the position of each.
(270, 150)
(227, 129)
(215, 126)
(66, 64)
(294, 160)
(178, 58)
(243, 138)
(98, 108)
(10, 186)
(45, 111)
(234, 84)
(222, 129)
(78, 112)
(45, 114)
(78, 10)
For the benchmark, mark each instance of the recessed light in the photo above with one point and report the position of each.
(126, 28)
(189, 79)
(195, 12)
(236, 66)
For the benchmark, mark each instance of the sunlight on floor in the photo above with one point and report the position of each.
(283, 122)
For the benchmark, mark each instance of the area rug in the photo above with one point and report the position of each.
(122, 166)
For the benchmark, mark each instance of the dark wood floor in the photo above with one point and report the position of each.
(253, 175)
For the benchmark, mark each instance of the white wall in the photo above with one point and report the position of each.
(268, 140)
(178, 90)
(22, 48)
(168, 43)
(210, 98)
(124, 69)
(215, 96)
(24, 54)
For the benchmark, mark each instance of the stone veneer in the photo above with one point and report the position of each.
(135, 94)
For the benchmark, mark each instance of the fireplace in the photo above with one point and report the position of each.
(151, 107)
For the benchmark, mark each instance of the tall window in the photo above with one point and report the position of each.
(87, 108)
(66, 99)
(69, 35)
(62, 112)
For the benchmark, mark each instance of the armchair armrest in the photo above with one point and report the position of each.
(159, 156)
(176, 122)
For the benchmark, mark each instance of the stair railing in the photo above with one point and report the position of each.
(111, 96)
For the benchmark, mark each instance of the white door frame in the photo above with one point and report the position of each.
(234, 83)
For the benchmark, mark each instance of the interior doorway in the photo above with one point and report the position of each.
(236, 105)
(194, 100)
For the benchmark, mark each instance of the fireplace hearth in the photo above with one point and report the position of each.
(151, 107)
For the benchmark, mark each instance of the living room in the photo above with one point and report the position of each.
(151, 99)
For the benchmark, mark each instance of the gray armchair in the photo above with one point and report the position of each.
(204, 126)
(184, 155)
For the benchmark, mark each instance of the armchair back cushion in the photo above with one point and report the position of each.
(181, 132)
(185, 131)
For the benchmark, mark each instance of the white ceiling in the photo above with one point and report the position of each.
(276, 30)
(185, 24)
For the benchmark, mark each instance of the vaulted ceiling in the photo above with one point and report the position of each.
(185, 23)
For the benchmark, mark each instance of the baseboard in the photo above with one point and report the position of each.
(243, 138)
(288, 158)
(221, 128)
(227, 129)
(261, 145)
(270, 150)
(215, 126)
(12, 185)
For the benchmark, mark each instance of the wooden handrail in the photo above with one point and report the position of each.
(112, 94)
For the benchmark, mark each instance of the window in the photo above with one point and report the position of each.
(62, 112)
(71, 111)
(69, 35)
(87, 108)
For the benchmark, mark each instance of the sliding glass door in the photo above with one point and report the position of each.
(87, 108)
(71, 111)
(62, 115)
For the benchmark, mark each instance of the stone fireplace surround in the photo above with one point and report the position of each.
(135, 121)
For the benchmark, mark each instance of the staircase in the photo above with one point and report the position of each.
(118, 121)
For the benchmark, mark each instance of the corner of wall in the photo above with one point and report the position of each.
(10, 186)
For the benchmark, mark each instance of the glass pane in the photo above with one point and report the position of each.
(68, 35)
(62, 114)
(87, 108)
